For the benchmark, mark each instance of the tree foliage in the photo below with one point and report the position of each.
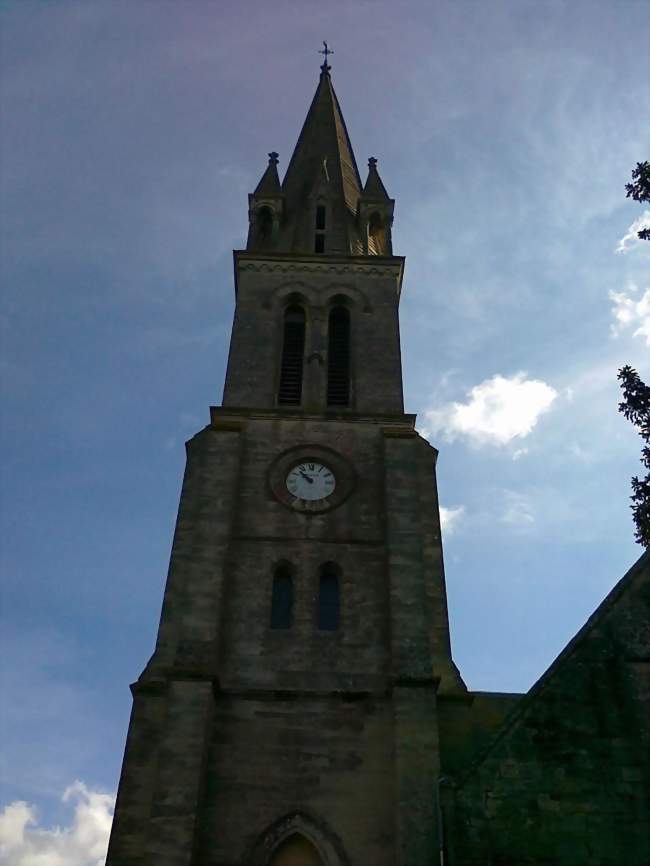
(639, 190)
(635, 406)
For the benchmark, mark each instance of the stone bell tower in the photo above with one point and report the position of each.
(288, 714)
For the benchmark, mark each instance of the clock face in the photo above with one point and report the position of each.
(310, 481)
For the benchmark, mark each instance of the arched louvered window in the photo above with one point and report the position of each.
(376, 235)
(328, 598)
(293, 350)
(282, 598)
(338, 358)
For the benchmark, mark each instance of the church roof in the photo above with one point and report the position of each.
(618, 628)
(323, 145)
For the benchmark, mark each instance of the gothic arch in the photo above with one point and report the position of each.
(296, 850)
(354, 297)
(341, 300)
(285, 294)
(327, 845)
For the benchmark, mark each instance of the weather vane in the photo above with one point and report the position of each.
(326, 51)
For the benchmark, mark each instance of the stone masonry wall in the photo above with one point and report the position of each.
(328, 757)
(249, 724)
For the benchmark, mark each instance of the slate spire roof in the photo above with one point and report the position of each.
(324, 144)
(269, 184)
(374, 188)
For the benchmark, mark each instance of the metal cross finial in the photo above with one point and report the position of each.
(326, 51)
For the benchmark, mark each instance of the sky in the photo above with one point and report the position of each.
(132, 135)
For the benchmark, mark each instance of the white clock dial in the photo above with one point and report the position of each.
(311, 481)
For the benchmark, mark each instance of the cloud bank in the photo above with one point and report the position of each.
(497, 411)
(82, 843)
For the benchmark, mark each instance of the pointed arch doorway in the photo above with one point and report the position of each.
(297, 839)
(296, 850)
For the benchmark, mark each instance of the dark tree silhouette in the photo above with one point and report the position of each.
(636, 408)
(639, 190)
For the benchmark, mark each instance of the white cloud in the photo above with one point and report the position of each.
(631, 240)
(82, 843)
(498, 410)
(519, 453)
(580, 453)
(450, 517)
(518, 511)
(628, 312)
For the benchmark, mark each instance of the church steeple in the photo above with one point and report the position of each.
(323, 169)
(316, 208)
(305, 610)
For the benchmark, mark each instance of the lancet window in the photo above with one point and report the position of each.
(282, 598)
(319, 237)
(328, 598)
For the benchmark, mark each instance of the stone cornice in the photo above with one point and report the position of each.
(317, 267)
(367, 266)
(232, 418)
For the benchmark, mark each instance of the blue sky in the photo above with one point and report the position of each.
(133, 133)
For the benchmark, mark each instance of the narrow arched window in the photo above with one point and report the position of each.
(328, 598)
(264, 223)
(282, 598)
(376, 235)
(319, 237)
(338, 358)
(293, 350)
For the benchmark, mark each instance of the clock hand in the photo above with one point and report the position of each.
(307, 478)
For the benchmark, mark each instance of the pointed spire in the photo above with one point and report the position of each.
(265, 209)
(376, 214)
(374, 187)
(324, 137)
(269, 184)
(323, 165)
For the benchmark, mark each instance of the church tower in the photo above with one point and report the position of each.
(289, 713)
